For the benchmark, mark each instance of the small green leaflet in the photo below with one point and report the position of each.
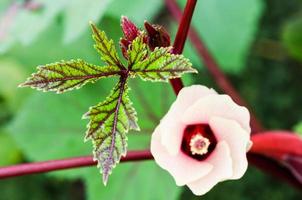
(105, 47)
(161, 65)
(111, 119)
(67, 75)
(137, 51)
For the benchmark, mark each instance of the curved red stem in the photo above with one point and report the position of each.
(54, 165)
(261, 162)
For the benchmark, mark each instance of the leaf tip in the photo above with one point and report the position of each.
(105, 178)
(21, 85)
(85, 115)
(93, 26)
(123, 18)
(193, 70)
(91, 23)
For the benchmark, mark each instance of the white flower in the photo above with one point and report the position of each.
(203, 139)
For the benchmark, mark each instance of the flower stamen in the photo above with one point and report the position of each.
(199, 144)
(198, 141)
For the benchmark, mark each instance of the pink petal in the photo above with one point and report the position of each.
(222, 170)
(183, 168)
(171, 126)
(217, 105)
(237, 139)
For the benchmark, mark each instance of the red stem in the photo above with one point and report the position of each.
(261, 162)
(214, 69)
(181, 37)
(54, 165)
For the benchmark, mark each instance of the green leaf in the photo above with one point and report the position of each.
(137, 10)
(105, 47)
(292, 37)
(264, 186)
(298, 128)
(4, 4)
(60, 133)
(11, 74)
(109, 122)
(237, 22)
(94, 10)
(26, 25)
(161, 65)
(29, 24)
(9, 151)
(67, 75)
(144, 180)
(137, 51)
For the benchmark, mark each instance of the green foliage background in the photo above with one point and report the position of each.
(257, 42)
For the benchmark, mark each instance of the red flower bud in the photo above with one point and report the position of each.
(157, 36)
(129, 29)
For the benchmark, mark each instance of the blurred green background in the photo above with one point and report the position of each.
(258, 43)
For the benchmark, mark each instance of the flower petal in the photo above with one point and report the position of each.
(183, 168)
(237, 139)
(171, 126)
(217, 105)
(222, 170)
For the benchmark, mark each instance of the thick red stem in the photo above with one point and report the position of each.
(54, 165)
(181, 37)
(261, 162)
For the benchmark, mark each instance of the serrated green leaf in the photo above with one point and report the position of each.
(137, 51)
(161, 65)
(67, 75)
(105, 47)
(110, 120)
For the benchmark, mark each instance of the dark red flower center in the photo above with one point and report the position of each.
(198, 141)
